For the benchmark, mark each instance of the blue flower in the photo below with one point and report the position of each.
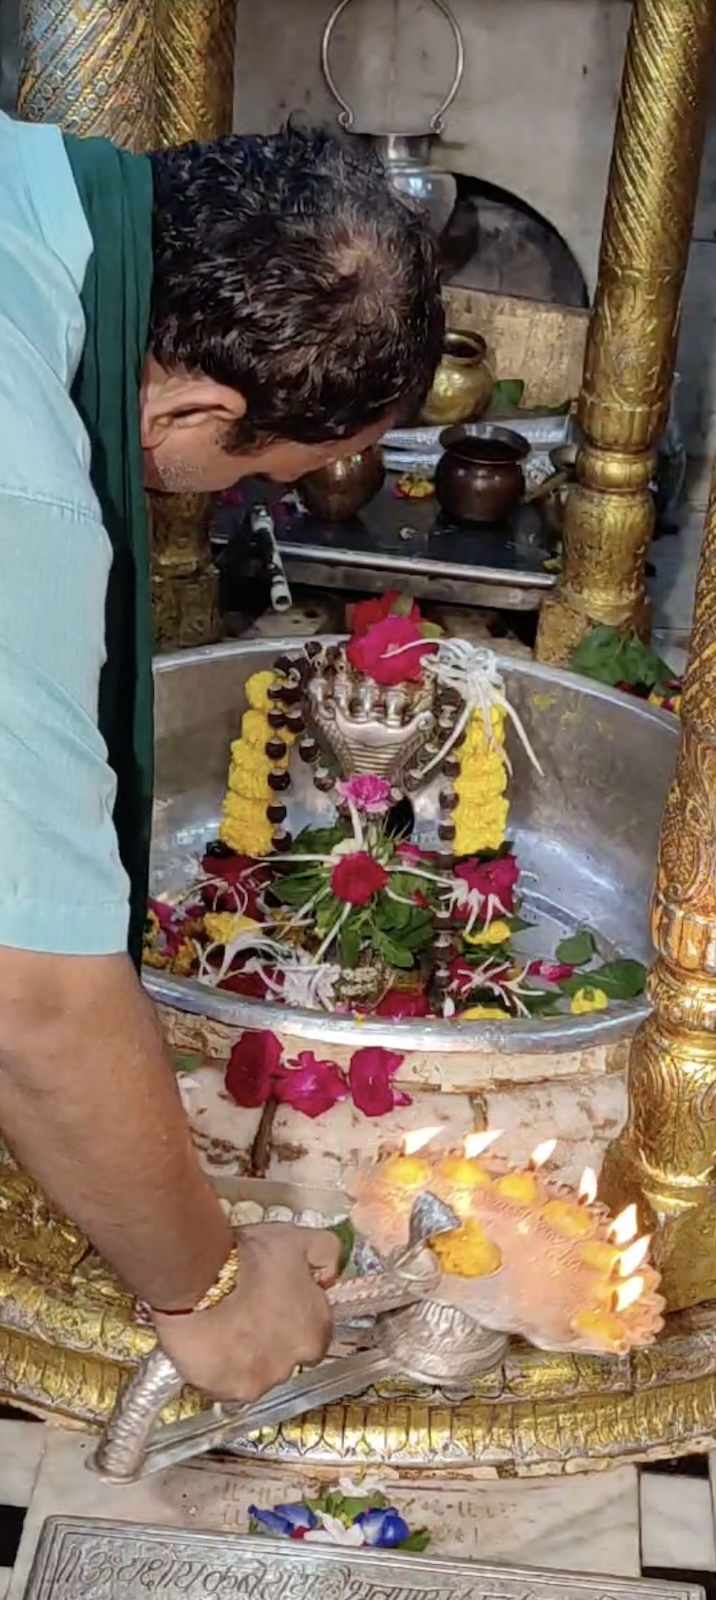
(284, 1520)
(383, 1527)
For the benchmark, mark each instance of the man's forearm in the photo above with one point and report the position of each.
(89, 1104)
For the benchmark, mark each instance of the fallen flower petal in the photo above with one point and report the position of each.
(369, 1076)
(253, 1066)
(310, 1086)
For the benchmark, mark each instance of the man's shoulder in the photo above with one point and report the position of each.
(44, 249)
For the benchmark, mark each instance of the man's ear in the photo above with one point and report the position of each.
(182, 400)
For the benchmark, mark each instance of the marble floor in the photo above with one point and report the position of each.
(656, 1521)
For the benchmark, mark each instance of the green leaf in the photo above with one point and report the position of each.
(621, 980)
(346, 1236)
(507, 394)
(430, 630)
(189, 1062)
(350, 943)
(318, 841)
(295, 891)
(540, 1003)
(416, 1542)
(403, 606)
(576, 950)
(395, 954)
(610, 656)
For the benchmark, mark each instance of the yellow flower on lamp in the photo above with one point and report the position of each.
(590, 998)
(498, 932)
(224, 926)
(467, 1252)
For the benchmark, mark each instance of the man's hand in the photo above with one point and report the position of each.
(277, 1318)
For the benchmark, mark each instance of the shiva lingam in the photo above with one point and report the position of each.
(491, 1251)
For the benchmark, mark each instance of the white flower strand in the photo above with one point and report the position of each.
(473, 673)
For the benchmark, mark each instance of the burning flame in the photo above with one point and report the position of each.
(475, 1144)
(628, 1293)
(418, 1139)
(588, 1186)
(543, 1153)
(625, 1227)
(633, 1257)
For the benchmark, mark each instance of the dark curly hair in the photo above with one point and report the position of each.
(287, 268)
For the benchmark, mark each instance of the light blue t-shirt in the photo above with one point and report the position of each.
(62, 886)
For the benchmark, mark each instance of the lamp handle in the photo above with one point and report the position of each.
(346, 116)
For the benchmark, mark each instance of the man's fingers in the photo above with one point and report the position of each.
(323, 1253)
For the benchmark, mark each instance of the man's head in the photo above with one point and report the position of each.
(296, 309)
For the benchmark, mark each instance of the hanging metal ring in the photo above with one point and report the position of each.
(346, 116)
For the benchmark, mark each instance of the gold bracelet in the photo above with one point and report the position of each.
(223, 1285)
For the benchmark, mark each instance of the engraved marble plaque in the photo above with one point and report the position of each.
(81, 1559)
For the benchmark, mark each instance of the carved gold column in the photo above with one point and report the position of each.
(629, 359)
(666, 1157)
(194, 67)
(89, 67)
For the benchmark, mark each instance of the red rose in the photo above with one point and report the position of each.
(399, 1003)
(356, 878)
(254, 1064)
(390, 652)
(369, 1075)
(367, 612)
(311, 1086)
(491, 878)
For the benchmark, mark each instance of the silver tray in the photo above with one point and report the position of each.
(83, 1559)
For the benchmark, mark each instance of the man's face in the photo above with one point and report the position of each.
(183, 423)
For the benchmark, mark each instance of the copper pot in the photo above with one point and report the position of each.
(339, 491)
(479, 477)
(463, 384)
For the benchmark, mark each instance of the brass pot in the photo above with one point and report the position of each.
(479, 477)
(339, 491)
(463, 384)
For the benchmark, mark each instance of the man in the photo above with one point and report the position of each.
(254, 306)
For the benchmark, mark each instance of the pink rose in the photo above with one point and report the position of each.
(491, 878)
(356, 878)
(399, 1003)
(550, 971)
(311, 1086)
(390, 652)
(366, 792)
(369, 1076)
(254, 1065)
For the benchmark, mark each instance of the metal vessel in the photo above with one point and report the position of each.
(587, 831)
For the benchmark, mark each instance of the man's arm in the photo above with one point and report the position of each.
(89, 1104)
(87, 1095)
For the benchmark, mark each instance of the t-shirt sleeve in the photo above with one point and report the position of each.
(62, 885)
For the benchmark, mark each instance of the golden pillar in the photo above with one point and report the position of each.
(89, 67)
(194, 67)
(629, 360)
(666, 1157)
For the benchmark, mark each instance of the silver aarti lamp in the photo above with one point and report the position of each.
(407, 155)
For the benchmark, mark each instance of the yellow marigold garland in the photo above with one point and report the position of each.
(480, 815)
(245, 827)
